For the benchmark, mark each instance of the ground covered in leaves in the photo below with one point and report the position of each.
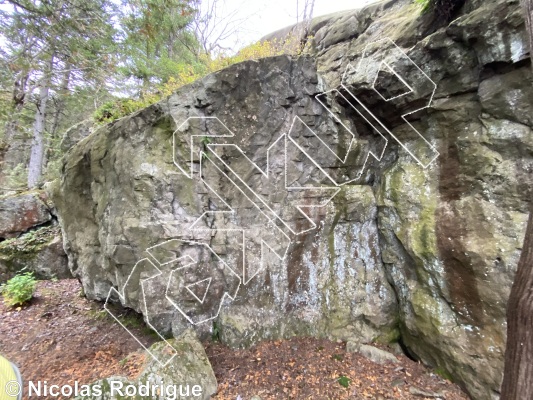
(307, 368)
(61, 337)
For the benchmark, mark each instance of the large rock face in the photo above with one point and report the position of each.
(247, 185)
(130, 196)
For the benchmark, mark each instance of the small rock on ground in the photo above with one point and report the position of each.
(377, 355)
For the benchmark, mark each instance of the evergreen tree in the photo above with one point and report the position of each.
(50, 47)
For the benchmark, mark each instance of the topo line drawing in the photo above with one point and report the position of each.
(278, 232)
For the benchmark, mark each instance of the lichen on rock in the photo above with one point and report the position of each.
(187, 376)
(424, 254)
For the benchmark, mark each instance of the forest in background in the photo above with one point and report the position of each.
(66, 61)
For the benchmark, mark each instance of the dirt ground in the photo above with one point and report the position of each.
(307, 368)
(61, 337)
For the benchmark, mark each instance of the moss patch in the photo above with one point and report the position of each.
(443, 373)
(428, 312)
(406, 186)
(29, 244)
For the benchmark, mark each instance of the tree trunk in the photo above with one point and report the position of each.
(59, 108)
(518, 372)
(528, 15)
(35, 169)
(62, 94)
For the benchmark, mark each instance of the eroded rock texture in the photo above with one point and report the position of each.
(190, 378)
(421, 246)
(20, 213)
(30, 240)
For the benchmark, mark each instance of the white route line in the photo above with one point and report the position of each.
(354, 140)
(122, 297)
(188, 287)
(403, 116)
(266, 174)
(189, 173)
(225, 296)
(397, 76)
(256, 199)
(281, 256)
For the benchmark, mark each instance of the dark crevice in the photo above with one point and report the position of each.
(501, 68)
(52, 222)
(408, 353)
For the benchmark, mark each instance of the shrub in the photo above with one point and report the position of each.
(423, 3)
(186, 74)
(116, 109)
(19, 289)
(344, 381)
(444, 9)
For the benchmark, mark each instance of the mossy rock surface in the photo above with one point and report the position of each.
(39, 251)
(180, 363)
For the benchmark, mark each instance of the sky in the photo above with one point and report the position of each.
(257, 18)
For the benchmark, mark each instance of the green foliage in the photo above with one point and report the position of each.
(47, 39)
(344, 381)
(86, 54)
(205, 141)
(113, 110)
(424, 4)
(54, 155)
(48, 48)
(123, 361)
(67, 111)
(127, 317)
(156, 40)
(337, 357)
(291, 45)
(53, 166)
(132, 320)
(440, 371)
(30, 242)
(17, 177)
(183, 74)
(98, 315)
(19, 289)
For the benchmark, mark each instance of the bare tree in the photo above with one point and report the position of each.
(304, 18)
(35, 168)
(212, 26)
(518, 373)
